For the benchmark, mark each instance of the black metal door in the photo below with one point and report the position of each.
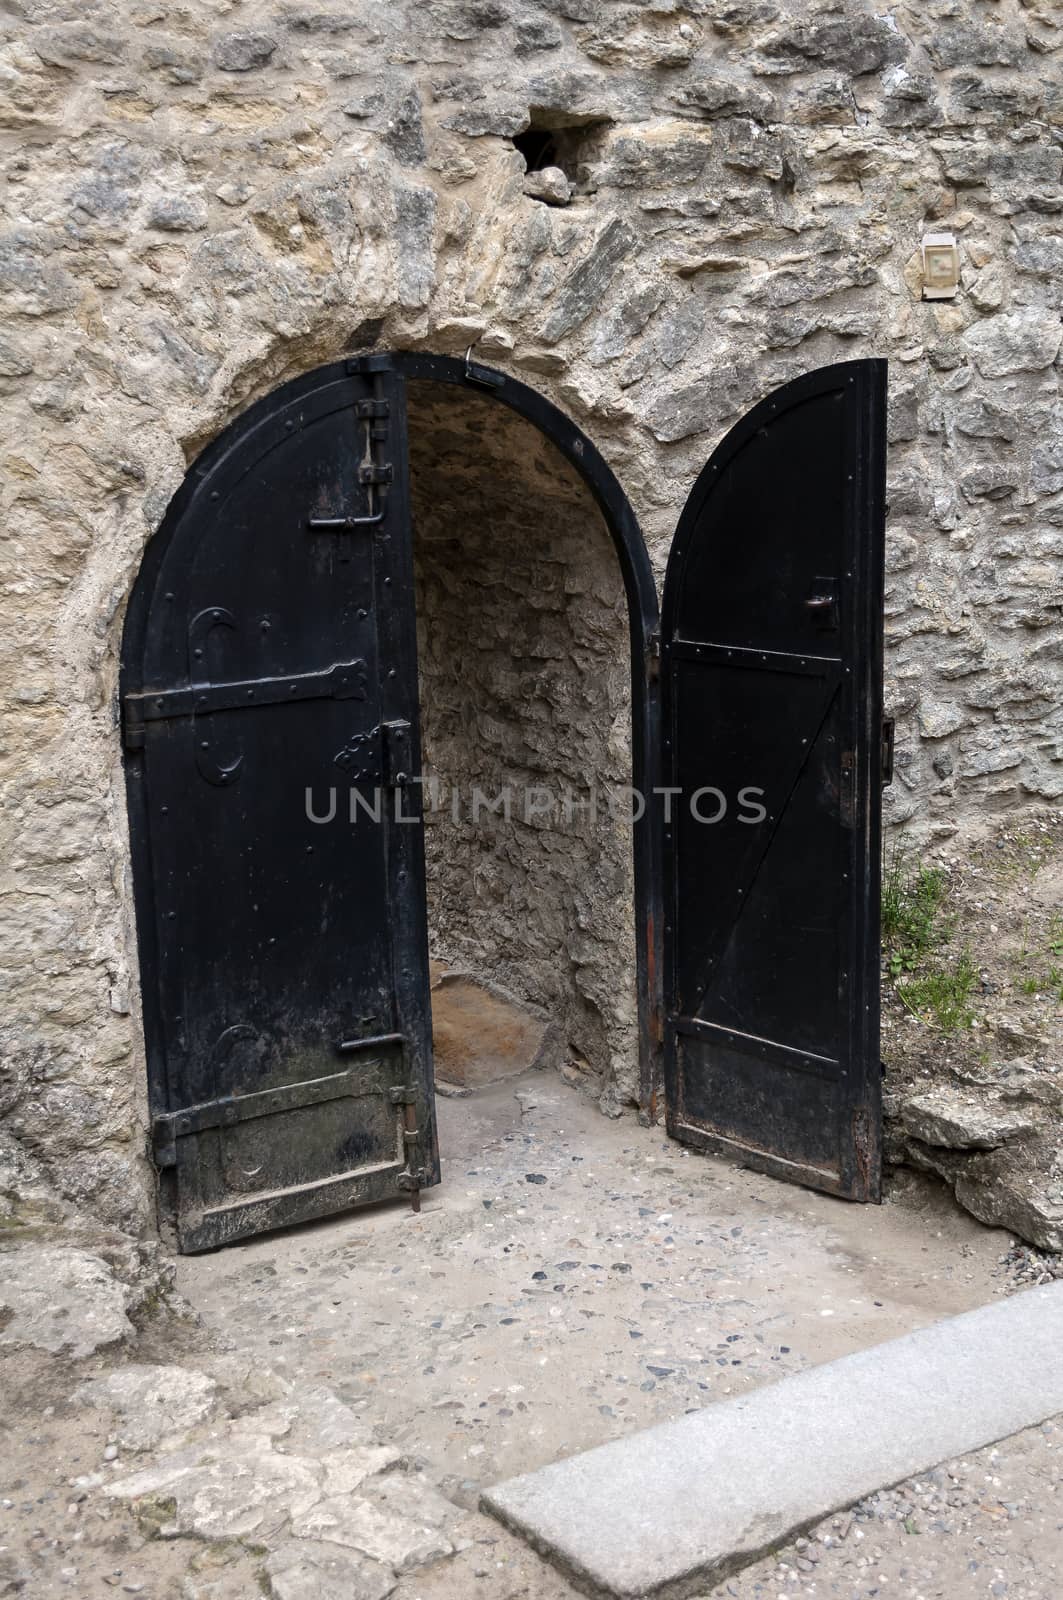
(771, 666)
(269, 700)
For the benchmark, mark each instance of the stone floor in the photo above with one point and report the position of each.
(574, 1278)
(322, 1431)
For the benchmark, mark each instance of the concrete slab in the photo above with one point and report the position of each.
(671, 1510)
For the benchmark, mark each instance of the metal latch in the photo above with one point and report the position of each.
(373, 474)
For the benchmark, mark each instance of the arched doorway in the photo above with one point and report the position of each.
(272, 727)
(269, 662)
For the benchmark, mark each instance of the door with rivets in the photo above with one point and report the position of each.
(269, 711)
(771, 668)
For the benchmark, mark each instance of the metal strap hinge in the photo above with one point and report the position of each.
(396, 753)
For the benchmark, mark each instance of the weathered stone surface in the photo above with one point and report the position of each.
(481, 1034)
(856, 41)
(154, 1405)
(1018, 1186)
(61, 1299)
(305, 1570)
(242, 52)
(549, 184)
(385, 1536)
(584, 286)
(26, 1196)
(238, 1488)
(961, 1121)
(178, 213)
(1018, 341)
(938, 719)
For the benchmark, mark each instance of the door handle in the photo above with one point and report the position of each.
(822, 604)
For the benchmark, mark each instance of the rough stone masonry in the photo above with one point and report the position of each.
(205, 198)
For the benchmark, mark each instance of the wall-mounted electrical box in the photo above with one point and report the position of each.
(941, 266)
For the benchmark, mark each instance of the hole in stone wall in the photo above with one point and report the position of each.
(539, 149)
(569, 145)
(525, 687)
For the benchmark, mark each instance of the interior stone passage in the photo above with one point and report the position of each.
(525, 693)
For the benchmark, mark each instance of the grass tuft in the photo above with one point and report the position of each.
(940, 997)
(913, 919)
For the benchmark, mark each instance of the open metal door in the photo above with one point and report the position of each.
(772, 713)
(269, 708)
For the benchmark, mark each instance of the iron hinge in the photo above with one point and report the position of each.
(653, 656)
(847, 795)
(396, 753)
(133, 730)
(402, 1094)
(888, 732)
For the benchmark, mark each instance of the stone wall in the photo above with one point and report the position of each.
(204, 198)
(525, 698)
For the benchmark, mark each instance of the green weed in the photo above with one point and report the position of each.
(913, 920)
(941, 996)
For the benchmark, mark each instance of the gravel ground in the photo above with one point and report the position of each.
(989, 1525)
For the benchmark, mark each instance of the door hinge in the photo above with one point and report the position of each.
(132, 723)
(396, 753)
(888, 732)
(847, 795)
